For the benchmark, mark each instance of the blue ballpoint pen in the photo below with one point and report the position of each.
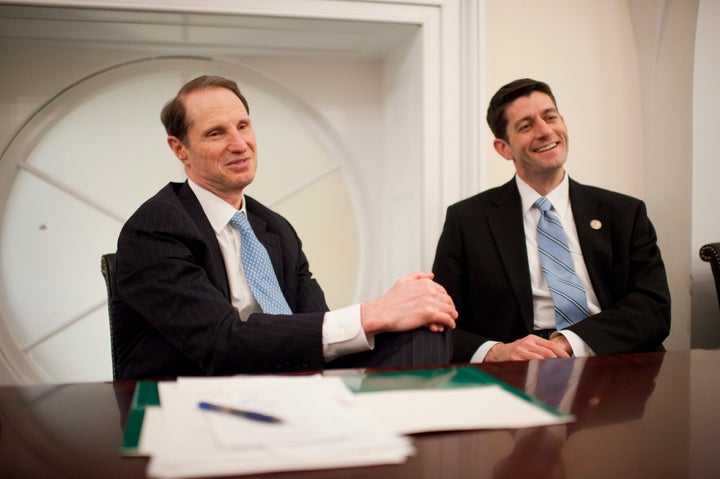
(252, 415)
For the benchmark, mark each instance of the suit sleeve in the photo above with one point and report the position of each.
(172, 279)
(450, 270)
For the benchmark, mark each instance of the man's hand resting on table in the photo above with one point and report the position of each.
(530, 347)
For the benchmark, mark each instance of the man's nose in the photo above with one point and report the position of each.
(542, 128)
(237, 141)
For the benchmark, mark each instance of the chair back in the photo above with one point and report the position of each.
(107, 268)
(711, 253)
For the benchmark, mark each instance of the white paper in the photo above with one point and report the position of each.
(426, 410)
(322, 427)
(324, 424)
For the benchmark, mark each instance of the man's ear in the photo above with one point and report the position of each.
(503, 149)
(177, 148)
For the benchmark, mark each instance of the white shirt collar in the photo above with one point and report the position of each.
(218, 211)
(559, 196)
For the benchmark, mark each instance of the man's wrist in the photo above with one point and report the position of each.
(561, 340)
(481, 352)
(494, 354)
(368, 320)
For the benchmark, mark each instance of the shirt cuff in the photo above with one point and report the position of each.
(342, 333)
(482, 351)
(579, 347)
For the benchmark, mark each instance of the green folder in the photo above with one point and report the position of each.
(146, 394)
(445, 378)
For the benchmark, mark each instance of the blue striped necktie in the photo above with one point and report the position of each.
(567, 292)
(258, 269)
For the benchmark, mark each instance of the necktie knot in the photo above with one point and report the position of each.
(240, 222)
(543, 204)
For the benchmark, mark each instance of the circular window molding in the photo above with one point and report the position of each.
(82, 163)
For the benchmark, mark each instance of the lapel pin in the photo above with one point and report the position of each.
(595, 224)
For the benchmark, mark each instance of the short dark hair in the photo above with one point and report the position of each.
(505, 96)
(173, 115)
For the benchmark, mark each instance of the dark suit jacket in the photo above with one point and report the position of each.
(173, 306)
(481, 260)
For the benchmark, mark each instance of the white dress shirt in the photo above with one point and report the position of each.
(342, 331)
(543, 307)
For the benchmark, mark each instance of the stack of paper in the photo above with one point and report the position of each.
(348, 420)
(321, 427)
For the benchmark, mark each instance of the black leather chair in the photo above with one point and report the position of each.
(711, 253)
(107, 268)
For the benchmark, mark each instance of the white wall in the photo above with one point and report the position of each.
(667, 129)
(361, 72)
(705, 172)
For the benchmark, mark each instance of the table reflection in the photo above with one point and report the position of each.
(595, 396)
(642, 415)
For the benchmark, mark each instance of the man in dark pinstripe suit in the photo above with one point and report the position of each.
(182, 303)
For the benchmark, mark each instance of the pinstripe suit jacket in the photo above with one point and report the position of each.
(172, 305)
(481, 260)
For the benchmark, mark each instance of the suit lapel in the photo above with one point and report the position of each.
(216, 271)
(594, 229)
(506, 226)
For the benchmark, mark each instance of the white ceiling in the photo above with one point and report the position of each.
(200, 33)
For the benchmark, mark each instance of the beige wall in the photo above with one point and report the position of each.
(581, 52)
(622, 72)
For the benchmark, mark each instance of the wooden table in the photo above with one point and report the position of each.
(638, 416)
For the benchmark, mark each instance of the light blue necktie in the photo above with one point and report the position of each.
(258, 269)
(567, 292)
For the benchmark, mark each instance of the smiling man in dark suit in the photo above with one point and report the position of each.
(491, 257)
(185, 301)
